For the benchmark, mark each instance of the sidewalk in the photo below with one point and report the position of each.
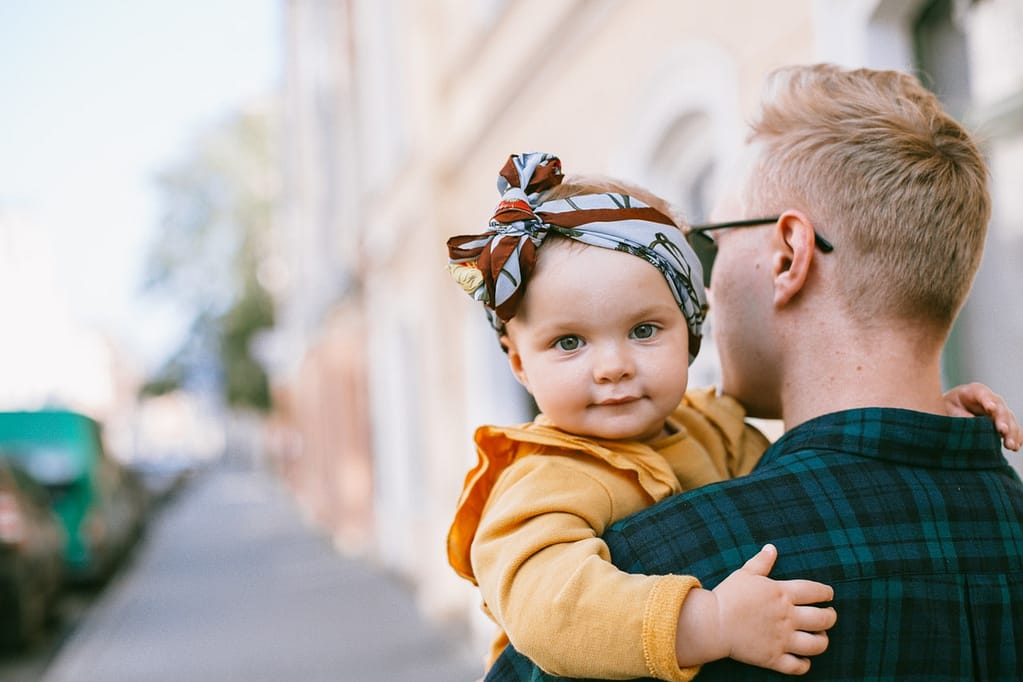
(230, 584)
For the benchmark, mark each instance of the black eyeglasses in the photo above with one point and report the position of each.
(706, 248)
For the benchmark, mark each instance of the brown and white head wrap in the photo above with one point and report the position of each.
(494, 267)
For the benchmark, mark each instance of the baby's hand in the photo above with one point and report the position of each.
(972, 400)
(770, 623)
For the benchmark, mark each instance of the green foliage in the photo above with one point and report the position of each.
(245, 381)
(217, 206)
(167, 381)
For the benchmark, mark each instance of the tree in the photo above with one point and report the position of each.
(217, 205)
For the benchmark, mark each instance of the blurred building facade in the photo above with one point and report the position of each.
(399, 115)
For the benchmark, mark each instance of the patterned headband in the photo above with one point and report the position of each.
(495, 266)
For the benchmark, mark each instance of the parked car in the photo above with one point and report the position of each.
(164, 476)
(100, 503)
(32, 541)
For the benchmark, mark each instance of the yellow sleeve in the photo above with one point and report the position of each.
(546, 578)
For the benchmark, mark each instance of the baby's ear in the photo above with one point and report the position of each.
(515, 362)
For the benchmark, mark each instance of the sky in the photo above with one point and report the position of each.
(98, 97)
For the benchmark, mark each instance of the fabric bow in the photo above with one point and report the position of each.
(504, 256)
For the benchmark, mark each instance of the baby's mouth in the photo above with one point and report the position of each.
(608, 402)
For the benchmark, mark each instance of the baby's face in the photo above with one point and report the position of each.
(600, 343)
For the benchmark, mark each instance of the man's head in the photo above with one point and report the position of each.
(869, 161)
(886, 175)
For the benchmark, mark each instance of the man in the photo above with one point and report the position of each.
(831, 312)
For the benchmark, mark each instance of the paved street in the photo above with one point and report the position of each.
(232, 585)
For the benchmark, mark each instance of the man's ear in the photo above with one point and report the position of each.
(793, 245)
(515, 361)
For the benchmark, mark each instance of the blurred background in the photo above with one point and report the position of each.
(222, 223)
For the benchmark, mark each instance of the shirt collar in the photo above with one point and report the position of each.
(899, 436)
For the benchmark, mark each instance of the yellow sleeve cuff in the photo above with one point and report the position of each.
(661, 625)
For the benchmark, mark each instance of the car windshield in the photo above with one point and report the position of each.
(50, 464)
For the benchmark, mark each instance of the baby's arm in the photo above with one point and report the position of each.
(545, 575)
(756, 620)
(976, 399)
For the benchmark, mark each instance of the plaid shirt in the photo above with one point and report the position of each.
(916, 520)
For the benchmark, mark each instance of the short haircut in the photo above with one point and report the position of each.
(884, 173)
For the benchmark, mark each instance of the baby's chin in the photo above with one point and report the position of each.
(637, 421)
(608, 432)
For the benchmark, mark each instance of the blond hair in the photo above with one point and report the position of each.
(883, 172)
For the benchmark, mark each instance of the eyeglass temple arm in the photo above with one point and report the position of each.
(823, 244)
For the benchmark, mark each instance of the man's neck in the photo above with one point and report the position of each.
(852, 371)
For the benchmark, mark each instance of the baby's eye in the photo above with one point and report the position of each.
(644, 331)
(568, 343)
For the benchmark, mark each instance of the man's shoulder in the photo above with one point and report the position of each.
(706, 530)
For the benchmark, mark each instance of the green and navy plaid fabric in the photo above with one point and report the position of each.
(916, 520)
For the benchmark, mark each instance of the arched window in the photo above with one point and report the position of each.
(684, 163)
